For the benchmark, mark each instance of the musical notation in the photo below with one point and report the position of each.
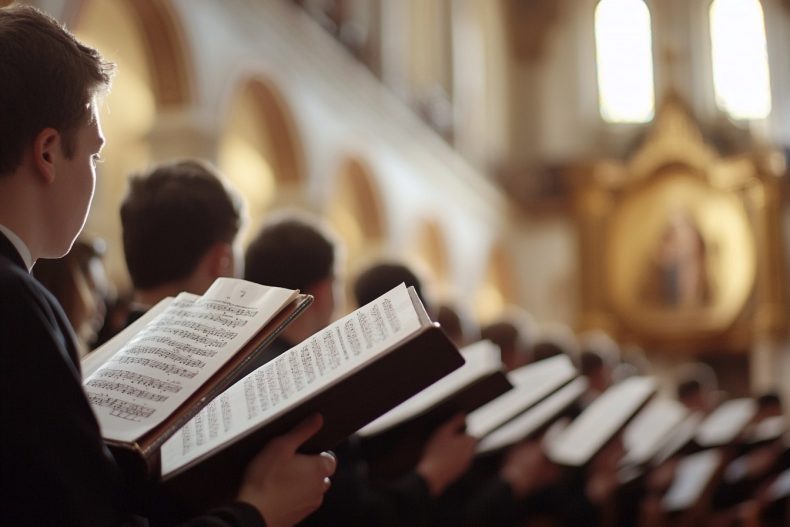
(164, 353)
(125, 389)
(219, 305)
(138, 378)
(218, 318)
(159, 365)
(123, 409)
(183, 347)
(205, 329)
(194, 337)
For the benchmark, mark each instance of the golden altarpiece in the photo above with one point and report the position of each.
(680, 248)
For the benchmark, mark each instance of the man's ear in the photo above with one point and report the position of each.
(220, 260)
(46, 148)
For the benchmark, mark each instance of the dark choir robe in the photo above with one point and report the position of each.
(55, 469)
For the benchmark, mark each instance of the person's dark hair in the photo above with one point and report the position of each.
(502, 333)
(546, 348)
(47, 80)
(590, 362)
(171, 216)
(769, 400)
(290, 250)
(688, 388)
(380, 278)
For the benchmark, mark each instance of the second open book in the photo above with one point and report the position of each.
(351, 372)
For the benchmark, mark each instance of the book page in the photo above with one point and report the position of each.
(481, 358)
(531, 383)
(768, 429)
(534, 418)
(691, 477)
(726, 422)
(333, 353)
(780, 488)
(178, 350)
(599, 422)
(679, 437)
(96, 358)
(650, 429)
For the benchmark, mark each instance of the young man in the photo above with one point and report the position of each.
(295, 251)
(180, 223)
(55, 469)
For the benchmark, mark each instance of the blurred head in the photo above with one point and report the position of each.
(382, 277)
(555, 339)
(506, 335)
(178, 219)
(696, 387)
(456, 326)
(296, 251)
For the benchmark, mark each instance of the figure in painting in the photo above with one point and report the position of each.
(677, 274)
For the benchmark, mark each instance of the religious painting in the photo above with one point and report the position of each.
(680, 255)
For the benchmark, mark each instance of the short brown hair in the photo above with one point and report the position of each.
(291, 250)
(47, 80)
(171, 216)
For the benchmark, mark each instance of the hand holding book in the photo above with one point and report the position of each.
(284, 485)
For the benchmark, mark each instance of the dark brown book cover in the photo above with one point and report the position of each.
(398, 450)
(139, 459)
(345, 406)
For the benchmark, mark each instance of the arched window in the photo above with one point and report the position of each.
(740, 58)
(624, 52)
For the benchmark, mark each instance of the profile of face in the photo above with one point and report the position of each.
(70, 193)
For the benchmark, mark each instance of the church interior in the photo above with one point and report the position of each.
(584, 167)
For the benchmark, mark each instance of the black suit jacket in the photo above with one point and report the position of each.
(54, 467)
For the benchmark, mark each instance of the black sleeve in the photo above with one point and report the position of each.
(54, 467)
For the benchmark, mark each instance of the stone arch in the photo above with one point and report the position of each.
(355, 209)
(259, 148)
(431, 250)
(497, 287)
(166, 49)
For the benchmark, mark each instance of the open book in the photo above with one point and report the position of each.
(534, 420)
(600, 422)
(393, 443)
(693, 476)
(350, 372)
(482, 364)
(154, 376)
(726, 422)
(532, 383)
(651, 429)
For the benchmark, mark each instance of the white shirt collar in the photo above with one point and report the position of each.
(19, 245)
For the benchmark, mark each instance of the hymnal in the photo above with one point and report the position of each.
(482, 361)
(650, 430)
(724, 424)
(605, 417)
(534, 419)
(693, 475)
(396, 448)
(149, 380)
(532, 383)
(350, 372)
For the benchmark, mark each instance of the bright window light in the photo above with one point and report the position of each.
(625, 61)
(740, 59)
